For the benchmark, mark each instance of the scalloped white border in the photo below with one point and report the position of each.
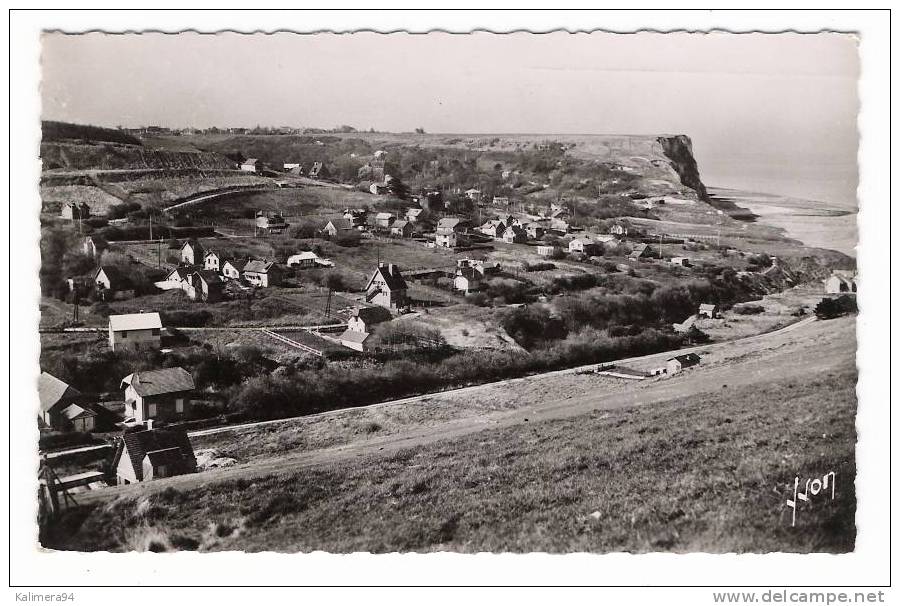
(867, 566)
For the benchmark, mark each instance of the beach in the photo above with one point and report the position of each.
(817, 224)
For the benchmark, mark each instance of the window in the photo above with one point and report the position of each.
(151, 410)
(124, 334)
(179, 405)
(155, 332)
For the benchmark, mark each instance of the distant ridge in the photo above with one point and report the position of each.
(60, 131)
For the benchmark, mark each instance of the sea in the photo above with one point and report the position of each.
(814, 203)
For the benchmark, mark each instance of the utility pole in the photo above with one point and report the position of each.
(151, 227)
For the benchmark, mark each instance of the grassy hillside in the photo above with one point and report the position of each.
(710, 472)
(61, 131)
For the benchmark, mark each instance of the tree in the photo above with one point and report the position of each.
(398, 189)
(829, 308)
(420, 131)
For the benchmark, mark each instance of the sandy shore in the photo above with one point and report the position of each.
(813, 223)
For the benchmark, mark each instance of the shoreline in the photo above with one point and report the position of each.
(812, 223)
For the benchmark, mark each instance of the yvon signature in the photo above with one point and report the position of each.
(813, 487)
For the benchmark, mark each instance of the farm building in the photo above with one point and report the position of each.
(289, 166)
(468, 280)
(454, 224)
(95, 246)
(79, 418)
(262, 273)
(163, 394)
(378, 189)
(251, 165)
(446, 239)
(535, 230)
(298, 170)
(402, 229)
(412, 214)
(135, 330)
(708, 310)
(354, 340)
(337, 225)
(493, 228)
(679, 363)
(473, 194)
(192, 252)
(153, 453)
(559, 225)
(839, 283)
(618, 229)
(387, 287)
(207, 285)
(680, 261)
(639, 251)
(55, 396)
(75, 211)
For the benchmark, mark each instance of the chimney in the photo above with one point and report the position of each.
(380, 265)
(391, 268)
(149, 423)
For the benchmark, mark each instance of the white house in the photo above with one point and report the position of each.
(679, 363)
(303, 260)
(582, 245)
(212, 261)
(468, 280)
(192, 252)
(837, 283)
(232, 269)
(251, 165)
(135, 330)
(387, 287)
(163, 394)
(153, 453)
(446, 239)
(262, 273)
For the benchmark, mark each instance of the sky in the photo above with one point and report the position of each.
(772, 106)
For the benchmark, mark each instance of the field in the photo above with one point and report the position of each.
(702, 461)
(708, 471)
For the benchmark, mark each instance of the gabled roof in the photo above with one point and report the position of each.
(391, 275)
(686, 359)
(165, 456)
(181, 272)
(115, 276)
(52, 391)
(157, 382)
(238, 264)
(383, 216)
(449, 222)
(354, 336)
(258, 266)
(139, 444)
(73, 411)
(146, 321)
(414, 212)
(209, 276)
(707, 307)
(340, 223)
(303, 256)
(372, 315)
(399, 224)
(249, 161)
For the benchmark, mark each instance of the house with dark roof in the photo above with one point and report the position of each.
(387, 287)
(163, 394)
(55, 396)
(640, 250)
(251, 165)
(337, 225)
(364, 319)
(262, 273)
(679, 363)
(207, 285)
(79, 418)
(514, 235)
(318, 171)
(192, 252)
(468, 280)
(109, 278)
(153, 453)
(231, 268)
(708, 310)
(402, 229)
(75, 211)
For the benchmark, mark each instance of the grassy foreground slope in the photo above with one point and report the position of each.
(706, 472)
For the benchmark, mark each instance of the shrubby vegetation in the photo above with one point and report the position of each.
(835, 307)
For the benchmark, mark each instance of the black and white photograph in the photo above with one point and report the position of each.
(439, 292)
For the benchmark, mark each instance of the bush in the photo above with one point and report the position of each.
(829, 308)
(540, 266)
(749, 310)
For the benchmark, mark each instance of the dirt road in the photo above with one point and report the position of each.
(801, 351)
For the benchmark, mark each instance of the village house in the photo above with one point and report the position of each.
(270, 222)
(232, 268)
(75, 211)
(163, 395)
(297, 171)
(135, 330)
(55, 396)
(181, 274)
(480, 265)
(356, 216)
(500, 201)
(384, 220)
(212, 261)
(840, 284)
(304, 260)
(546, 250)
(515, 235)
(289, 166)
(207, 285)
(153, 453)
(445, 239)
(412, 214)
(379, 189)
(192, 252)
(468, 280)
(318, 171)
(262, 273)
(432, 198)
(81, 418)
(680, 261)
(251, 165)
(679, 363)
(473, 194)
(493, 228)
(619, 229)
(534, 230)
(708, 310)
(402, 229)
(639, 251)
(364, 319)
(337, 225)
(95, 246)
(559, 225)
(387, 287)
(584, 245)
(110, 281)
